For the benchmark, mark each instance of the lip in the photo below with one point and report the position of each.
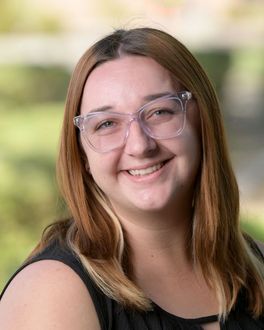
(143, 167)
(147, 177)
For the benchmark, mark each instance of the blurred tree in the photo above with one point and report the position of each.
(17, 16)
(22, 84)
(216, 63)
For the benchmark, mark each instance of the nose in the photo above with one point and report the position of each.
(138, 143)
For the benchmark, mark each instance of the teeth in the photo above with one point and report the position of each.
(145, 171)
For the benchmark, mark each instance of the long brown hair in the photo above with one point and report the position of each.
(94, 232)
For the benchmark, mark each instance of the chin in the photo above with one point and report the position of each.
(151, 206)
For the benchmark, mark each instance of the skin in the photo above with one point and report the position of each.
(124, 85)
(42, 297)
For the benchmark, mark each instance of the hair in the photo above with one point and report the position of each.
(94, 232)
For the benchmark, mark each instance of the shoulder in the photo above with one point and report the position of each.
(46, 295)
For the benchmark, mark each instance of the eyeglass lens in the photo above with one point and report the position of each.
(160, 119)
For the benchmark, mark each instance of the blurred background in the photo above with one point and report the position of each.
(41, 41)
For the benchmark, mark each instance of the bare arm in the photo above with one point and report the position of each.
(47, 295)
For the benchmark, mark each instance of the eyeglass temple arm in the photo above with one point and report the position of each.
(186, 95)
(78, 121)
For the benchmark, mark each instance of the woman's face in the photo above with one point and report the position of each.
(145, 175)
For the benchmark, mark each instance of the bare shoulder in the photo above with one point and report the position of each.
(47, 295)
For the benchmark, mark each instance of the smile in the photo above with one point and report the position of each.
(146, 171)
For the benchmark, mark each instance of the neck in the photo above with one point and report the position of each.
(159, 240)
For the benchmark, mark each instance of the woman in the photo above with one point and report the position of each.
(153, 241)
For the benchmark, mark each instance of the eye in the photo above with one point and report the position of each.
(162, 111)
(159, 113)
(105, 124)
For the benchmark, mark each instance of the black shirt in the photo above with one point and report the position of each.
(113, 316)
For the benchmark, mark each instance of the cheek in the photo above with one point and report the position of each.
(194, 120)
(102, 167)
(188, 151)
(99, 174)
(193, 132)
(194, 156)
(96, 165)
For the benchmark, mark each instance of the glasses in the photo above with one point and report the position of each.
(162, 118)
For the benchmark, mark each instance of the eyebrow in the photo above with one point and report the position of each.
(147, 98)
(152, 97)
(101, 109)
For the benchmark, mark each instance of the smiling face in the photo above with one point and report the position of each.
(144, 175)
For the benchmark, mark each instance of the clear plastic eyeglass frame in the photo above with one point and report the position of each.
(82, 121)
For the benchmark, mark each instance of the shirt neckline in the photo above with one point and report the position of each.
(198, 320)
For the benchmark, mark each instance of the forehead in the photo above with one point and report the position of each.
(126, 80)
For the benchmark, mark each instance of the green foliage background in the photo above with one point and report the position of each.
(31, 109)
(20, 16)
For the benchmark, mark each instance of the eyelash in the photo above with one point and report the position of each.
(104, 124)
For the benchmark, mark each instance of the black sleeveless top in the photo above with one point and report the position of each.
(112, 316)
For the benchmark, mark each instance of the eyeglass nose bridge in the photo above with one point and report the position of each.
(135, 117)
